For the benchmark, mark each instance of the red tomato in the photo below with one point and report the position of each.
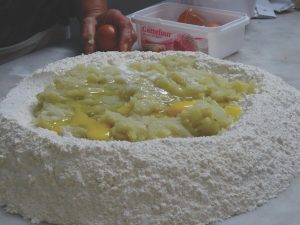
(106, 38)
(191, 17)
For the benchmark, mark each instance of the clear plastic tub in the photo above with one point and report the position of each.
(158, 30)
(245, 6)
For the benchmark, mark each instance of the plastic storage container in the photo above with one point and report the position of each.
(158, 30)
(244, 6)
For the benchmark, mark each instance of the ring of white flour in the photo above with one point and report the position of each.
(64, 180)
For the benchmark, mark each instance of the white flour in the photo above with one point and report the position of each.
(64, 180)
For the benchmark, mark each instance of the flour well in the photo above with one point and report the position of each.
(64, 180)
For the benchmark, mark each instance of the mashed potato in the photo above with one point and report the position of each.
(170, 97)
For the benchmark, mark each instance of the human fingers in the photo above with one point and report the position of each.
(88, 34)
(127, 36)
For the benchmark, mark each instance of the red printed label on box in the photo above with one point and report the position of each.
(158, 39)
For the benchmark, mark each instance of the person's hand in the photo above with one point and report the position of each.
(90, 9)
(126, 34)
(95, 14)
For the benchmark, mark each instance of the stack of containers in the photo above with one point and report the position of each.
(158, 30)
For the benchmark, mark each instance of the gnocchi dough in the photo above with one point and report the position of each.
(169, 97)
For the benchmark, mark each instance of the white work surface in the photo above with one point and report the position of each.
(272, 44)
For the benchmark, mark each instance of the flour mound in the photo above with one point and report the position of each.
(65, 180)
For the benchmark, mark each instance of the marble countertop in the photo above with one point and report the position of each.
(271, 44)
